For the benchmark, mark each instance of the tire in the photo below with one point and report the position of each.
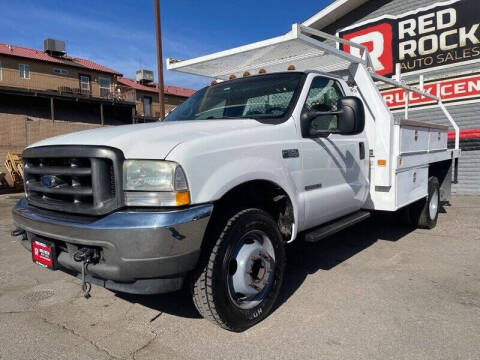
(424, 213)
(238, 281)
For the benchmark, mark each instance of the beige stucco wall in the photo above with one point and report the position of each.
(42, 76)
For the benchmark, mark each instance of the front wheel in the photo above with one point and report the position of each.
(238, 282)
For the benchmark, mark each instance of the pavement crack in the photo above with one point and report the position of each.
(155, 335)
(156, 317)
(72, 331)
(12, 312)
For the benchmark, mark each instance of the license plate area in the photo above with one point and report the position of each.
(44, 253)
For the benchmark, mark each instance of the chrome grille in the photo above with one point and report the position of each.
(73, 179)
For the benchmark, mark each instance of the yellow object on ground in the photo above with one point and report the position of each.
(14, 165)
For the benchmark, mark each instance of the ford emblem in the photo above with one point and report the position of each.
(51, 181)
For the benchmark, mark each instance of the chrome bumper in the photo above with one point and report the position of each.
(134, 244)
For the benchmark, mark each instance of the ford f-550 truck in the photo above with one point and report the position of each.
(291, 139)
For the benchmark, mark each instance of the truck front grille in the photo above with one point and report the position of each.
(73, 179)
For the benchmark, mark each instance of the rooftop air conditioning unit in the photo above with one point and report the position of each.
(54, 47)
(144, 76)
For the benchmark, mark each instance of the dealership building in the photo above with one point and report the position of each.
(437, 39)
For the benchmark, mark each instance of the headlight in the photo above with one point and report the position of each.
(154, 183)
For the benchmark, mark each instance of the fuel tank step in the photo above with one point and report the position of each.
(332, 227)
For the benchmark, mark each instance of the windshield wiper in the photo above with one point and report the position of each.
(221, 118)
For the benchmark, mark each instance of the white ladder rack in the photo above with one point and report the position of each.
(311, 49)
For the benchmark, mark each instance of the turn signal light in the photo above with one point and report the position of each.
(182, 198)
(382, 162)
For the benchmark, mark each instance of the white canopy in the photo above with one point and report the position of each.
(298, 48)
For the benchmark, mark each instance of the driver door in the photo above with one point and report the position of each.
(335, 166)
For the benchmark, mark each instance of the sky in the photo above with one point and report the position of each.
(120, 34)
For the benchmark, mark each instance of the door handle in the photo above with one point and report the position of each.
(361, 147)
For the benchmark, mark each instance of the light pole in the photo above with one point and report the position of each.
(161, 98)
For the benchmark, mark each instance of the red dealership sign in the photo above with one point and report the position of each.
(440, 35)
(461, 88)
(378, 40)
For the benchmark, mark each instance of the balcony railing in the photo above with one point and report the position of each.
(74, 91)
(127, 94)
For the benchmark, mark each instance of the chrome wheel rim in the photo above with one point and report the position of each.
(251, 270)
(433, 205)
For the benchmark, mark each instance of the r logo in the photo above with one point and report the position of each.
(378, 40)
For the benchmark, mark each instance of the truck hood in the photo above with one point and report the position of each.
(152, 140)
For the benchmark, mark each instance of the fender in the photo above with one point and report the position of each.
(216, 163)
(240, 171)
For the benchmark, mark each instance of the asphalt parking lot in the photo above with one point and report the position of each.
(374, 291)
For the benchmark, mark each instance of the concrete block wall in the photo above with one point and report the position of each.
(18, 131)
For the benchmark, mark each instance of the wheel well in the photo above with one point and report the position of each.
(261, 194)
(442, 170)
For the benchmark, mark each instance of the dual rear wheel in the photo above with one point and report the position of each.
(424, 213)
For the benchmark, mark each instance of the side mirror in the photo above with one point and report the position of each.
(349, 119)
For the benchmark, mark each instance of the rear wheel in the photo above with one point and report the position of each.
(424, 213)
(238, 282)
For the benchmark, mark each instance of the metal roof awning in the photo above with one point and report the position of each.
(332, 13)
(298, 47)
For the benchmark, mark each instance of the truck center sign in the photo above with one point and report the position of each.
(461, 88)
(437, 36)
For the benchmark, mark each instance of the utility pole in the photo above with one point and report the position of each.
(161, 98)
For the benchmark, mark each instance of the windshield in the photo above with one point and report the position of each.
(267, 96)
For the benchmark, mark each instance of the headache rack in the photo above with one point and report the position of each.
(310, 49)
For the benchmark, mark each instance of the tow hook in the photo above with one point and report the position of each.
(17, 232)
(86, 256)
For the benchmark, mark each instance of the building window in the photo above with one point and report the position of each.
(1, 72)
(105, 86)
(24, 70)
(84, 83)
(60, 71)
(165, 99)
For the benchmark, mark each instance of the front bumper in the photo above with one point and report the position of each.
(142, 251)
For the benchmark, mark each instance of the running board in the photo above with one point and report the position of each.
(332, 227)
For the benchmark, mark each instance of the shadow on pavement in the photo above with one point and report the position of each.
(303, 259)
(307, 258)
(178, 303)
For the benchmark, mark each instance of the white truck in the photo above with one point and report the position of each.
(293, 139)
